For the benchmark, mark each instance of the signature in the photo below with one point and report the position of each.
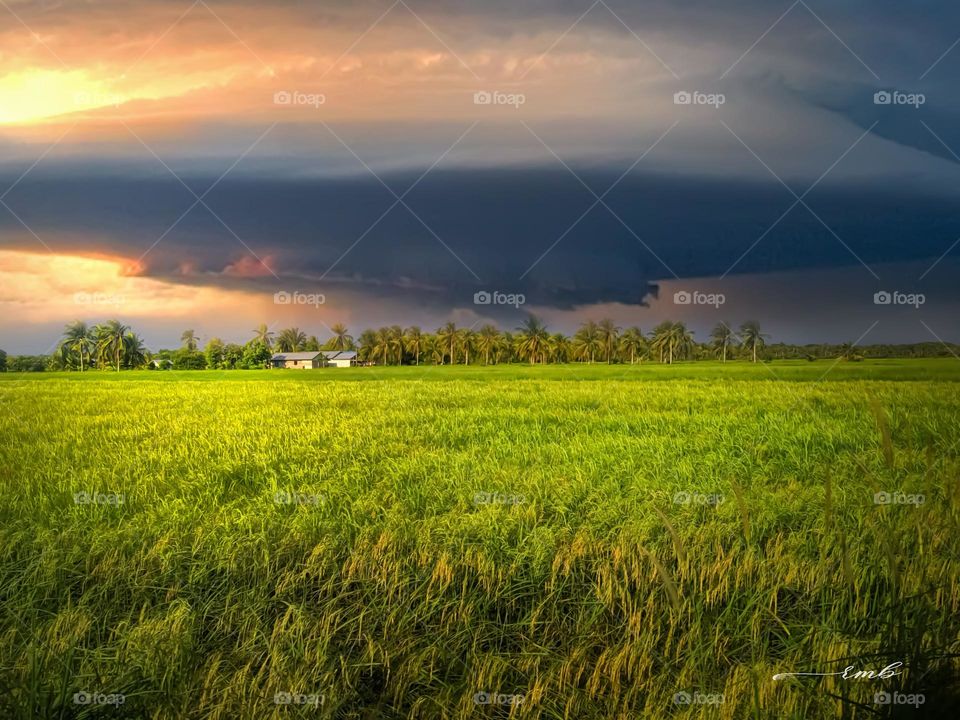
(851, 673)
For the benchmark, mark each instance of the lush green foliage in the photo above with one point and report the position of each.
(459, 530)
(114, 346)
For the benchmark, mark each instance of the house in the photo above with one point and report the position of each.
(339, 358)
(314, 359)
(297, 360)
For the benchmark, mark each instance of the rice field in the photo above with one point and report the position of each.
(527, 542)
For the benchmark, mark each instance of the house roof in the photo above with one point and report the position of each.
(295, 356)
(312, 355)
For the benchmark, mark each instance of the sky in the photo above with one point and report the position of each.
(218, 164)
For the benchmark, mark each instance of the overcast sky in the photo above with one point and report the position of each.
(176, 165)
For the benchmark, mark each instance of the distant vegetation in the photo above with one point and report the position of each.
(115, 346)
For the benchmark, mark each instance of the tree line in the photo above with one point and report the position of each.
(115, 346)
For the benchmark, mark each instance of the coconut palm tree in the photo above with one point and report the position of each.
(437, 348)
(672, 340)
(681, 342)
(752, 338)
(77, 339)
(109, 339)
(263, 335)
(368, 340)
(135, 353)
(487, 340)
(291, 340)
(505, 348)
(189, 340)
(341, 339)
(559, 346)
(586, 341)
(381, 345)
(532, 341)
(447, 336)
(633, 343)
(660, 339)
(468, 339)
(722, 338)
(607, 334)
(414, 338)
(395, 335)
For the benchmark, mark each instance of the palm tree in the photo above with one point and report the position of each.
(263, 335)
(436, 346)
(368, 340)
(291, 340)
(505, 348)
(608, 333)
(467, 339)
(447, 336)
(586, 342)
(559, 348)
(660, 338)
(110, 342)
(681, 341)
(395, 335)
(77, 339)
(672, 340)
(415, 341)
(532, 341)
(341, 340)
(633, 342)
(487, 340)
(189, 340)
(752, 338)
(135, 354)
(381, 345)
(722, 338)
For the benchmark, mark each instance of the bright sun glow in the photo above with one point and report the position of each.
(42, 287)
(39, 94)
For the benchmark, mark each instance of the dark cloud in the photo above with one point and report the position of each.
(497, 229)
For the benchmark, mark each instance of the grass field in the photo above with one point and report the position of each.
(606, 542)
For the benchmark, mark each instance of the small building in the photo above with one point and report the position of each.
(297, 360)
(339, 358)
(312, 360)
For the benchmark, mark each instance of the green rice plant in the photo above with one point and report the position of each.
(597, 542)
